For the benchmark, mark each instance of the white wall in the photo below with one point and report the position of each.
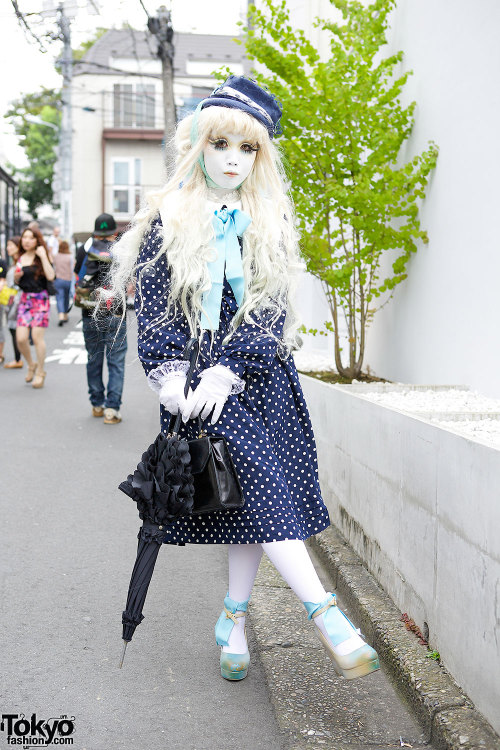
(442, 326)
(152, 168)
(419, 504)
(303, 14)
(87, 146)
(96, 91)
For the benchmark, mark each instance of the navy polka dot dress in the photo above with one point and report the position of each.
(267, 426)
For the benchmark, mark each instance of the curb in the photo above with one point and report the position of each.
(447, 715)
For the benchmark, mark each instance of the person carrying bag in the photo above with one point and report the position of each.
(215, 257)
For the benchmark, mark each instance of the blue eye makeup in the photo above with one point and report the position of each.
(220, 144)
(247, 148)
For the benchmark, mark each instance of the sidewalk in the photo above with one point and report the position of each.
(68, 548)
(318, 709)
(69, 542)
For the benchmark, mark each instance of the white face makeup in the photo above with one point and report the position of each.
(229, 159)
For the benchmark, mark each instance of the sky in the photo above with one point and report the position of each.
(24, 68)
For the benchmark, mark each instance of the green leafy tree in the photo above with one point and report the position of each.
(344, 129)
(84, 47)
(39, 143)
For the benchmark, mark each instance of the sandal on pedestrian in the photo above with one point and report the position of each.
(31, 373)
(14, 365)
(39, 379)
(362, 659)
(232, 666)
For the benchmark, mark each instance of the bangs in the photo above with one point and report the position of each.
(215, 120)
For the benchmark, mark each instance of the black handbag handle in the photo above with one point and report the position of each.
(190, 354)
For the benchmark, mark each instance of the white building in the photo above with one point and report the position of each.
(118, 116)
(442, 325)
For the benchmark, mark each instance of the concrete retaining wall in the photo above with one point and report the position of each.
(420, 504)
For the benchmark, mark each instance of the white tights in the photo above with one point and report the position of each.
(291, 560)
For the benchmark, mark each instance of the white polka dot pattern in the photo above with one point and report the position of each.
(267, 426)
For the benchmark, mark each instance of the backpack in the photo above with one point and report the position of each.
(92, 274)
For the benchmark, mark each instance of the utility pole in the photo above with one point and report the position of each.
(65, 141)
(161, 27)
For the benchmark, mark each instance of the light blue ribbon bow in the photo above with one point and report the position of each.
(228, 226)
(226, 621)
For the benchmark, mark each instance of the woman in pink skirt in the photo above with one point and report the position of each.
(32, 274)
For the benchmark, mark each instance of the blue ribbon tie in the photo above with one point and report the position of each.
(228, 226)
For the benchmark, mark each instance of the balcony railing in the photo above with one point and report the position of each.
(133, 106)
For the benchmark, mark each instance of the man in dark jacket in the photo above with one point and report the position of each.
(107, 335)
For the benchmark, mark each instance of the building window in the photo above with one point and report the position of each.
(126, 185)
(186, 104)
(145, 106)
(133, 107)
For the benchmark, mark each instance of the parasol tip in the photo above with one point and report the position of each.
(120, 665)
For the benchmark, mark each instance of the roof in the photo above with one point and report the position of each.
(130, 43)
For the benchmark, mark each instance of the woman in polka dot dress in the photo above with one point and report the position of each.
(215, 256)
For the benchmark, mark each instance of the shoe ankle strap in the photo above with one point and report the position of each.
(314, 610)
(232, 615)
(234, 606)
(228, 619)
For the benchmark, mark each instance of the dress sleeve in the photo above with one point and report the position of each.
(161, 341)
(253, 346)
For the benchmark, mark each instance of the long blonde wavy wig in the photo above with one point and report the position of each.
(270, 257)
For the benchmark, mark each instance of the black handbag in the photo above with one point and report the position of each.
(216, 483)
(178, 477)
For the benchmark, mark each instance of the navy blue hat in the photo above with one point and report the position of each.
(244, 93)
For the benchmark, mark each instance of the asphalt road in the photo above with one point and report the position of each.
(68, 545)
(67, 551)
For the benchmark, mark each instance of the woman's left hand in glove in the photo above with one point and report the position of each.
(210, 395)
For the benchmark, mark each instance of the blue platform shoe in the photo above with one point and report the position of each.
(232, 666)
(357, 663)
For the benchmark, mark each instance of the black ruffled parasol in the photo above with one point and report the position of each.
(163, 488)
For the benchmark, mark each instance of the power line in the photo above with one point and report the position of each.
(23, 23)
(115, 70)
(82, 90)
(144, 9)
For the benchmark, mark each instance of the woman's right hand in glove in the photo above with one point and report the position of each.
(172, 394)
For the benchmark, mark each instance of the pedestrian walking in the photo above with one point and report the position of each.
(215, 255)
(13, 244)
(53, 241)
(63, 266)
(33, 272)
(105, 334)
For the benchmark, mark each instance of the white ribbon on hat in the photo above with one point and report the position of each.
(245, 99)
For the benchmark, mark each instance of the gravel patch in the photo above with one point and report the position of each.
(484, 430)
(458, 409)
(452, 400)
(313, 362)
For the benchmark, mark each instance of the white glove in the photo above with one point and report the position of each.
(172, 394)
(211, 393)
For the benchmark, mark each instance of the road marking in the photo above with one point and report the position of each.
(71, 356)
(74, 338)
